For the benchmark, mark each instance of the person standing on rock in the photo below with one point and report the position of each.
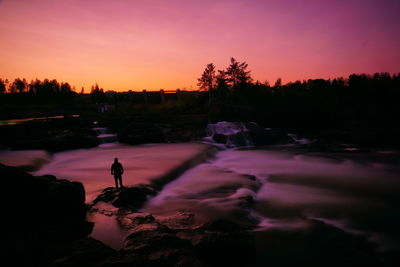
(117, 170)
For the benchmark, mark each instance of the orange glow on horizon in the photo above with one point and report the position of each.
(134, 45)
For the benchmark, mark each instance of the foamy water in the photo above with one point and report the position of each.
(358, 198)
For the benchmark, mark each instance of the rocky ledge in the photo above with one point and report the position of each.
(45, 220)
(131, 198)
(179, 240)
(45, 225)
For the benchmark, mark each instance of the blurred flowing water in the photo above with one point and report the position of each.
(359, 198)
(267, 188)
(141, 164)
(278, 187)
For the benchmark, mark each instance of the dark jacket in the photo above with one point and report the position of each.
(117, 169)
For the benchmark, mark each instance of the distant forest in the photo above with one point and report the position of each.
(231, 94)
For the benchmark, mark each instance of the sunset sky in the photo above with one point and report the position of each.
(153, 44)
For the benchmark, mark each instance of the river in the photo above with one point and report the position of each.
(357, 192)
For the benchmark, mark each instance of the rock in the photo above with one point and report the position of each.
(240, 139)
(175, 240)
(146, 240)
(46, 216)
(157, 244)
(261, 136)
(133, 197)
(127, 197)
(222, 225)
(220, 138)
(43, 199)
(132, 220)
(240, 134)
(179, 221)
(81, 252)
(224, 249)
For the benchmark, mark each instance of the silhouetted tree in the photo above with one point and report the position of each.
(34, 87)
(65, 88)
(237, 74)
(97, 93)
(207, 79)
(222, 89)
(18, 86)
(2, 86)
(221, 80)
(278, 83)
(13, 87)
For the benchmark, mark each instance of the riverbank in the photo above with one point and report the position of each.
(51, 134)
(62, 133)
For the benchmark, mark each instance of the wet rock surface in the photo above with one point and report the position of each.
(179, 240)
(126, 197)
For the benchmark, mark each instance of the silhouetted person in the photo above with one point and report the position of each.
(117, 170)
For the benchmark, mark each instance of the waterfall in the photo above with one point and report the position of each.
(231, 134)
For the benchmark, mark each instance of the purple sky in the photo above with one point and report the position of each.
(155, 44)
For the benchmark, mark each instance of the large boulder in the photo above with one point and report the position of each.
(220, 138)
(45, 219)
(45, 200)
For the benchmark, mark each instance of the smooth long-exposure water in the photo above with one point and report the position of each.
(362, 198)
(267, 188)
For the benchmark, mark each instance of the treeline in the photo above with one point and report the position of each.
(236, 76)
(360, 99)
(232, 94)
(37, 90)
(45, 91)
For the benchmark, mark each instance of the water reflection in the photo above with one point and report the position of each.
(19, 121)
